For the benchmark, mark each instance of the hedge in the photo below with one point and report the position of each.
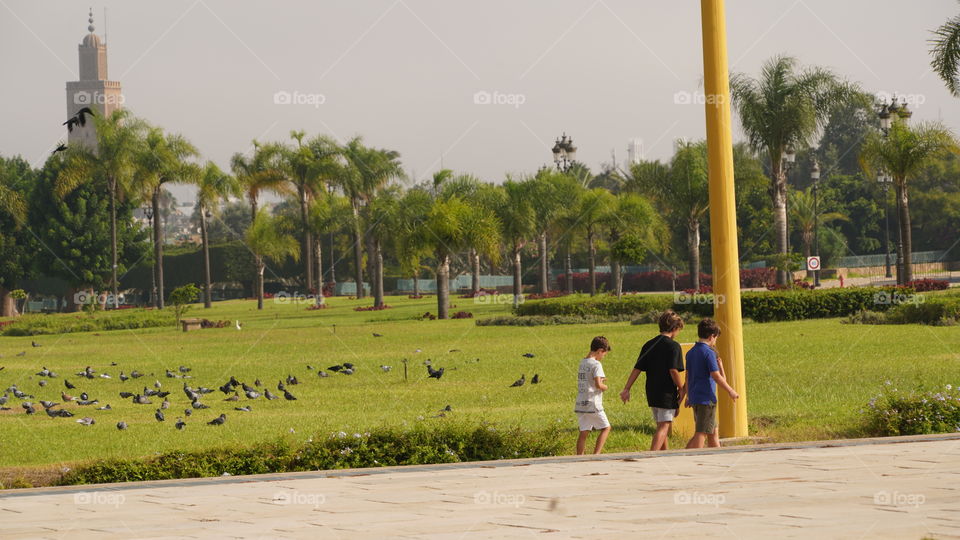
(600, 305)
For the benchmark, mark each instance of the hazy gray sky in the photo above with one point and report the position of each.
(405, 73)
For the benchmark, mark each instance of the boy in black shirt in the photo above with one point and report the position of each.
(662, 359)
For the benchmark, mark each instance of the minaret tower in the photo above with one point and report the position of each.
(93, 90)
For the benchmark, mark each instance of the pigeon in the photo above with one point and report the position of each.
(106, 407)
(348, 371)
(184, 369)
(157, 385)
(53, 413)
(448, 408)
(257, 383)
(180, 423)
(244, 409)
(226, 388)
(280, 386)
(377, 335)
(535, 379)
(288, 396)
(323, 374)
(66, 397)
(187, 412)
(385, 368)
(190, 393)
(218, 421)
(22, 353)
(4, 398)
(35, 344)
(159, 416)
(42, 383)
(520, 381)
(270, 395)
(198, 405)
(165, 405)
(86, 421)
(48, 404)
(434, 373)
(124, 377)
(252, 395)
(247, 388)
(104, 376)
(121, 425)
(126, 395)
(171, 375)
(161, 394)
(204, 390)
(528, 355)
(454, 350)
(28, 407)
(84, 396)
(136, 374)
(87, 402)
(234, 397)
(141, 400)
(335, 368)
(293, 380)
(43, 372)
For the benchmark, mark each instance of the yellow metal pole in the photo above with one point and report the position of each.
(723, 217)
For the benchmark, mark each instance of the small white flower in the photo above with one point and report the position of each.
(949, 387)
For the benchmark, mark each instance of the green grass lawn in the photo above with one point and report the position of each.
(806, 380)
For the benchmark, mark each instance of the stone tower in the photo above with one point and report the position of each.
(93, 90)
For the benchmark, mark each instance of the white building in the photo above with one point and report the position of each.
(634, 152)
(93, 90)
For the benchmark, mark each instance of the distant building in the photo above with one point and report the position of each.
(634, 152)
(93, 90)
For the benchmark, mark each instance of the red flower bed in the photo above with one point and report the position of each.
(462, 315)
(371, 308)
(541, 296)
(927, 284)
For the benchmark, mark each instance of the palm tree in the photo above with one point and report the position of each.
(270, 238)
(595, 207)
(119, 135)
(518, 224)
(472, 191)
(781, 109)
(161, 159)
(384, 213)
(635, 228)
(552, 193)
(412, 212)
(806, 218)
(213, 186)
(946, 54)
(903, 153)
(327, 213)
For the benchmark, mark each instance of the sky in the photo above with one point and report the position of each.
(478, 87)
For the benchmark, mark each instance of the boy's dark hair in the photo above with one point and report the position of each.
(707, 328)
(598, 343)
(670, 321)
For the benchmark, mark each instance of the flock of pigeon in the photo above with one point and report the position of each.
(233, 391)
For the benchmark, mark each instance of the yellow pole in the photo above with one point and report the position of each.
(723, 217)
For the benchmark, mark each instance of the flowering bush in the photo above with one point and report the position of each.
(462, 315)
(541, 296)
(371, 308)
(895, 412)
(925, 285)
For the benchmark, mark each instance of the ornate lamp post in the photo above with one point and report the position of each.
(886, 114)
(564, 153)
(148, 212)
(815, 178)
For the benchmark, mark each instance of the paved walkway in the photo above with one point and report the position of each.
(892, 488)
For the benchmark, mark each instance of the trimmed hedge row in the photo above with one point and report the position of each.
(601, 305)
(37, 324)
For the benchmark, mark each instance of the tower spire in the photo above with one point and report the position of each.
(91, 28)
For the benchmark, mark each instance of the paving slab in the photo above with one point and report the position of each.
(877, 488)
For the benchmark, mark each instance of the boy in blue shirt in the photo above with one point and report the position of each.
(704, 373)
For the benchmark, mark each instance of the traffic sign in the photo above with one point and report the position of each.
(813, 263)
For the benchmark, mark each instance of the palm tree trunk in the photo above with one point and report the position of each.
(475, 267)
(113, 239)
(568, 272)
(616, 278)
(318, 265)
(416, 283)
(593, 263)
(307, 239)
(371, 265)
(8, 304)
(207, 287)
(693, 244)
(443, 287)
(158, 246)
(903, 208)
(357, 249)
(544, 264)
(333, 264)
(779, 195)
(260, 268)
(378, 267)
(517, 280)
(256, 266)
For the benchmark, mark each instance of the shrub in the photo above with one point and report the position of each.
(927, 285)
(600, 305)
(797, 304)
(546, 320)
(549, 294)
(940, 311)
(37, 324)
(893, 412)
(462, 315)
(752, 278)
(181, 297)
(371, 308)
(423, 444)
(865, 316)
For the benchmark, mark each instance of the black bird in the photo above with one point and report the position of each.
(280, 386)
(288, 396)
(520, 381)
(121, 425)
(218, 421)
(257, 383)
(528, 355)
(35, 344)
(226, 388)
(180, 423)
(126, 395)
(159, 416)
(270, 395)
(335, 368)
(187, 412)
(124, 377)
(348, 365)
(82, 115)
(68, 384)
(535, 379)
(434, 373)
(377, 335)
(448, 408)
(60, 148)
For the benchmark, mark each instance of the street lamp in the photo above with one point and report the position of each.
(564, 153)
(148, 212)
(885, 180)
(815, 177)
(788, 159)
(888, 114)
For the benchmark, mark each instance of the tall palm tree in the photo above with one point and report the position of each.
(270, 238)
(946, 54)
(518, 223)
(784, 108)
(903, 153)
(327, 214)
(162, 158)
(213, 187)
(595, 207)
(806, 217)
(383, 213)
(634, 229)
(552, 193)
(474, 192)
(412, 212)
(119, 136)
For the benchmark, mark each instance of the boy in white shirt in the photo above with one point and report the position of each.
(591, 383)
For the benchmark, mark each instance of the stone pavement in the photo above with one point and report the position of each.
(887, 488)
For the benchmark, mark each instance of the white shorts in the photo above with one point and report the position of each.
(593, 420)
(663, 415)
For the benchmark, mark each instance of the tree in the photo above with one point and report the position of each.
(384, 214)
(515, 212)
(946, 54)
(213, 186)
(595, 207)
(16, 248)
(806, 216)
(413, 210)
(783, 109)
(160, 159)
(181, 297)
(119, 137)
(903, 153)
(551, 194)
(635, 229)
(270, 238)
